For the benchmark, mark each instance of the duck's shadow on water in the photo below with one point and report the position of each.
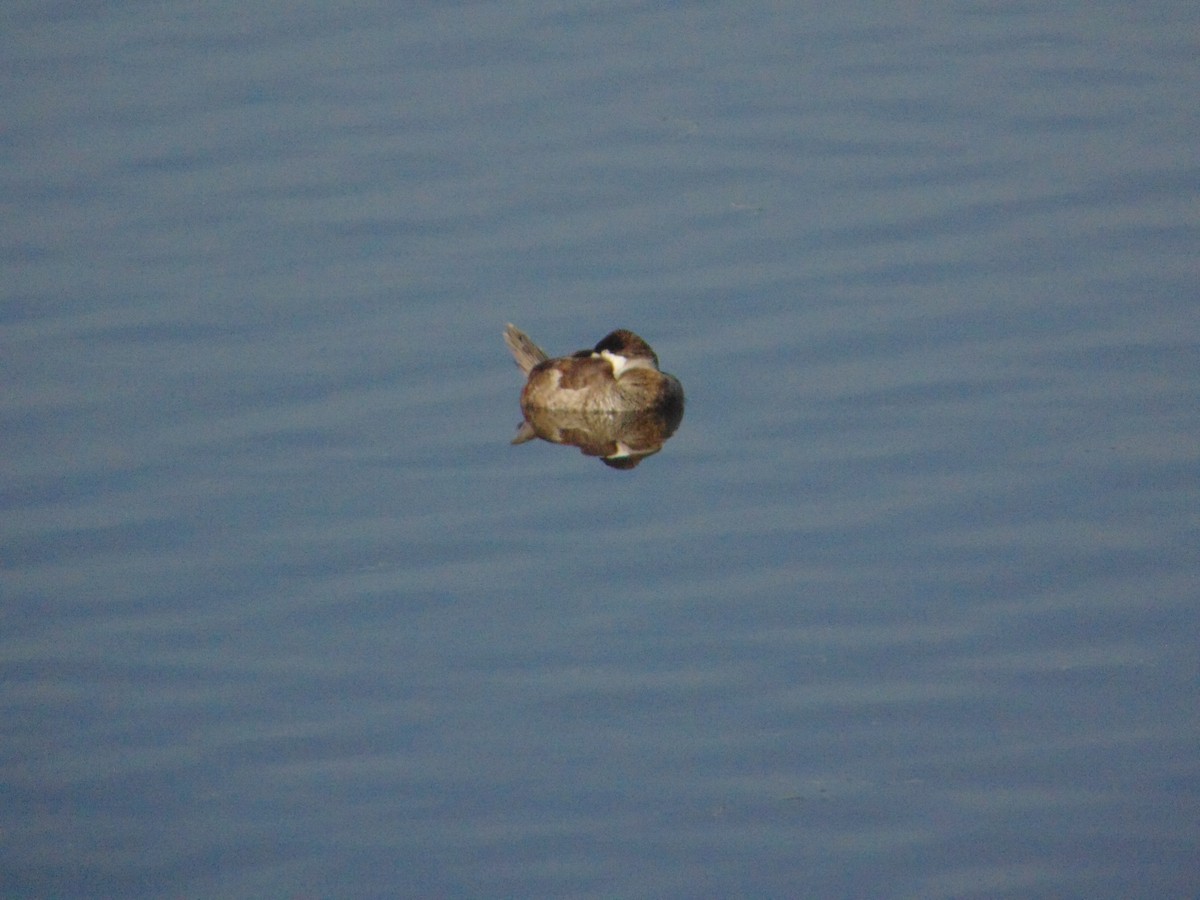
(620, 440)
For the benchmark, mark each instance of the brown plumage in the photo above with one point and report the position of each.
(620, 374)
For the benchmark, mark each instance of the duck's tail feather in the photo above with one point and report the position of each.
(524, 350)
(525, 432)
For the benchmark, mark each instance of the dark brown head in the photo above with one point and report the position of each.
(627, 344)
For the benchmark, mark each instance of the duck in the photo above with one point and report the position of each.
(620, 374)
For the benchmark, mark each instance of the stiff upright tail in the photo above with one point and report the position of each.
(524, 350)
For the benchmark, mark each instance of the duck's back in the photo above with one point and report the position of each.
(572, 383)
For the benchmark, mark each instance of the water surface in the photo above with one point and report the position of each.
(905, 608)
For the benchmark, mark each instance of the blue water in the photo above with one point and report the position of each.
(906, 608)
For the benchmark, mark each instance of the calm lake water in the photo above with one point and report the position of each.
(906, 608)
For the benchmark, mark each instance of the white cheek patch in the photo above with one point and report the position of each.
(618, 362)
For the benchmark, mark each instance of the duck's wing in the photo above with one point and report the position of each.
(524, 350)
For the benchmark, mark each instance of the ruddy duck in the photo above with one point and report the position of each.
(619, 374)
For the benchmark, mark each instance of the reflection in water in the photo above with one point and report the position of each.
(621, 440)
(611, 401)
